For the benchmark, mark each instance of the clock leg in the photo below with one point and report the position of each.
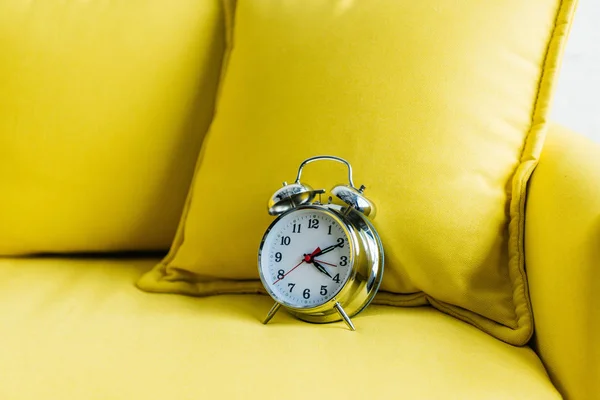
(344, 316)
(272, 312)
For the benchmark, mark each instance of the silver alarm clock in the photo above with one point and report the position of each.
(321, 262)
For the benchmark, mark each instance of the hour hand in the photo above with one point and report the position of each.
(321, 268)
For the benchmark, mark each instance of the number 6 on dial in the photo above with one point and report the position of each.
(322, 262)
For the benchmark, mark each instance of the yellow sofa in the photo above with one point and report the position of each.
(74, 326)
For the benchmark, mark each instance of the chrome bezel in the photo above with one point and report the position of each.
(367, 262)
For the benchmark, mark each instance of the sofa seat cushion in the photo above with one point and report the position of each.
(79, 329)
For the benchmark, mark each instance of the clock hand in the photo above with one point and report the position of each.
(321, 268)
(319, 252)
(324, 262)
(309, 257)
(286, 274)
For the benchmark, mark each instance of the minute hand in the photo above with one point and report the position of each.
(327, 249)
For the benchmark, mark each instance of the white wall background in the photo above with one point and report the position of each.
(577, 99)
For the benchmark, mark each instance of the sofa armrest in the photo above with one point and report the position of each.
(562, 254)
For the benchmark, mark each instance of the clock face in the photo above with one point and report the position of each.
(306, 258)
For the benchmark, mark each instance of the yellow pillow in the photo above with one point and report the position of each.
(103, 108)
(439, 106)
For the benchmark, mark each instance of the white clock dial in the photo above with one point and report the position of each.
(306, 258)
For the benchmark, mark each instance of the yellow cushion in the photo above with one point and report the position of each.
(440, 107)
(103, 107)
(563, 261)
(79, 329)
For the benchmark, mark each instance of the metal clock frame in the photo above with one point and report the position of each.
(367, 255)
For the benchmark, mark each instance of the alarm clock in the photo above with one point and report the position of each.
(321, 262)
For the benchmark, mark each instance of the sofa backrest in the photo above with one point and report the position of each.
(103, 108)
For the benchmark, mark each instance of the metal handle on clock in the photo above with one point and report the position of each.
(325, 157)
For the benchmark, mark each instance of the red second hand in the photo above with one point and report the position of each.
(284, 275)
(325, 262)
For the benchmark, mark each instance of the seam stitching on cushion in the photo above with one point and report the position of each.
(521, 244)
(447, 308)
(392, 299)
(545, 87)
